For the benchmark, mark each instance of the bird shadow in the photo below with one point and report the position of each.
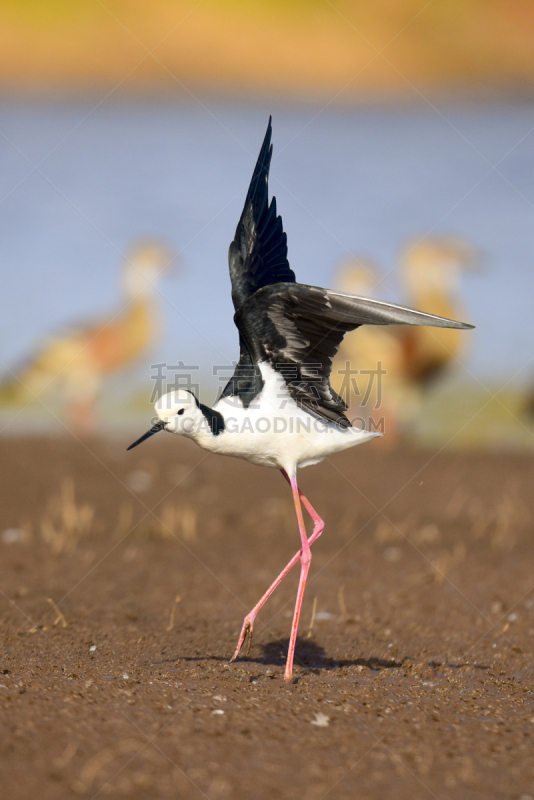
(308, 654)
(312, 657)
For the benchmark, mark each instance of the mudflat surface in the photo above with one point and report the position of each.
(416, 679)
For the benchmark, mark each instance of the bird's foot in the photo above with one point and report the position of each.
(246, 634)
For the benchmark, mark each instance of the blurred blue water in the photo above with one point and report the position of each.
(78, 183)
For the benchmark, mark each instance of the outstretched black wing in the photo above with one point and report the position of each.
(298, 330)
(257, 258)
(258, 255)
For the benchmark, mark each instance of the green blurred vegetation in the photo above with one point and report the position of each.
(471, 418)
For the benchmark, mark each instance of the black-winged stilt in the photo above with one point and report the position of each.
(278, 409)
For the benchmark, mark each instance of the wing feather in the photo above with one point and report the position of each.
(257, 258)
(298, 330)
(258, 254)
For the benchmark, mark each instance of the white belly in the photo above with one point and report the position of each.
(275, 432)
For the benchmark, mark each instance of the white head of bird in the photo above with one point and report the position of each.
(146, 263)
(180, 412)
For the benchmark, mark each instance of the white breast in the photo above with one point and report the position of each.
(273, 431)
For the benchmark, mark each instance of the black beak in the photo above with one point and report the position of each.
(159, 426)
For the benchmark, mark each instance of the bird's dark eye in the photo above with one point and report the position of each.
(181, 411)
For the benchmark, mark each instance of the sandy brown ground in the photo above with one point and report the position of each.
(416, 680)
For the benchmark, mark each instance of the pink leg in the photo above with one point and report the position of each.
(305, 561)
(248, 624)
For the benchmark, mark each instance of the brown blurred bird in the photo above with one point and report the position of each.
(431, 271)
(404, 361)
(78, 359)
(368, 366)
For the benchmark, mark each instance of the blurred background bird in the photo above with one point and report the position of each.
(384, 375)
(367, 371)
(430, 276)
(76, 360)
